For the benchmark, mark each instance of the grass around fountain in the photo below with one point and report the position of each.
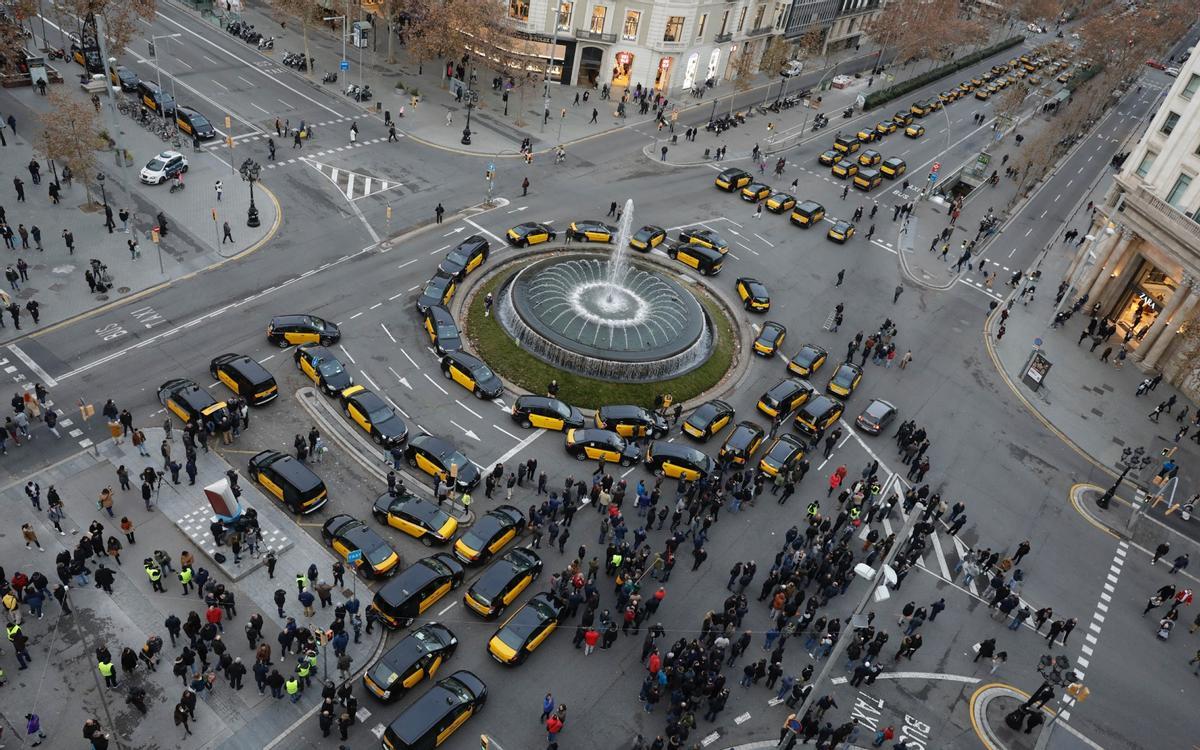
(493, 344)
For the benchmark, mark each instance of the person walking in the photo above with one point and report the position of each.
(227, 236)
(1179, 564)
(219, 189)
(438, 212)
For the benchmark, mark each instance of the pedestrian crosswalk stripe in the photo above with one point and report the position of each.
(353, 185)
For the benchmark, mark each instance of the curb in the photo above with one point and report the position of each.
(362, 451)
(978, 703)
(736, 372)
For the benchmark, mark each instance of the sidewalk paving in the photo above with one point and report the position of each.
(60, 683)
(192, 243)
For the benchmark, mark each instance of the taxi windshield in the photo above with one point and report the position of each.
(330, 367)
(429, 644)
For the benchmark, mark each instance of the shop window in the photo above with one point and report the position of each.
(1170, 123)
(518, 9)
(630, 31)
(700, 26)
(564, 15)
(1182, 183)
(674, 29)
(1147, 162)
(599, 14)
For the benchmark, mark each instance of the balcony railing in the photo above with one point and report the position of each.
(1186, 230)
(722, 38)
(760, 31)
(594, 36)
(670, 45)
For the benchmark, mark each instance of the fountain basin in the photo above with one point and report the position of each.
(628, 322)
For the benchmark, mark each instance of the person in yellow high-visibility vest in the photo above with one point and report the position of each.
(293, 689)
(109, 672)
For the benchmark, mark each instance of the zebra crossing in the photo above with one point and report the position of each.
(353, 185)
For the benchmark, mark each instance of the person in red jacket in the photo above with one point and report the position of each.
(653, 664)
(213, 615)
(590, 638)
(554, 725)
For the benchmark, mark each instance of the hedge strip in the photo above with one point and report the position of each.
(900, 89)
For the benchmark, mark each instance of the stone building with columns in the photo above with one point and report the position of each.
(1141, 260)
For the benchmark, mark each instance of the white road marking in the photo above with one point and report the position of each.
(36, 369)
(347, 354)
(488, 233)
(516, 448)
(447, 608)
(460, 403)
(436, 384)
(368, 378)
(389, 333)
(506, 432)
(260, 109)
(246, 81)
(410, 359)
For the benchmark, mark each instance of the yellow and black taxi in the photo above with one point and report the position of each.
(755, 192)
(807, 213)
(983, 94)
(876, 417)
(471, 373)
(753, 294)
(846, 144)
(465, 257)
(868, 179)
(324, 369)
(817, 414)
(416, 588)
(829, 158)
(844, 380)
(532, 411)
(293, 330)
(438, 291)
(779, 202)
(781, 455)
(192, 123)
(808, 360)
(502, 582)
(704, 238)
(948, 96)
(784, 397)
(419, 518)
(885, 127)
(602, 445)
(417, 657)
(630, 420)
(920, 109)
(648, 237)
(288, 480)
(1034, 80)
(529, 233)
(769, 339)
(869, 158)
(844, 169)
(867, 136)
(123, 78)
(705, 260)
(245, 377)
(732, 179)
(678, 461)
(902, 119)
(375, 416)
(915, 131)
(443, 332)
(841, 231)
(188, 401)
(741, 444)
(933, 103)
(439, 458)
(708, 419)
(155, 99)
(489, 534)
(1064, 77)
(437, 714)
(350, 537)
(591, 231)
(965, 88)
(526, 629)
(893, 167)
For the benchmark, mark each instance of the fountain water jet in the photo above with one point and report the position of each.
(609, 318)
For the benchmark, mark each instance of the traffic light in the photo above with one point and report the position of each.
(154, 235)
(484, 742)
(1078, 691)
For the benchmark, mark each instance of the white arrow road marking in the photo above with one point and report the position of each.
(466, 432)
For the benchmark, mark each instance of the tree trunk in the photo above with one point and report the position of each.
(391, 17)
(308, 57)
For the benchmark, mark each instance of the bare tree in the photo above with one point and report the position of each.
(1121, 38)
(71, 134)
(743, 68)
(775, 56)
(450, 27)
(121, 18)
(924, 29)
(1039, 10)
(1009, 102)
(307, 12)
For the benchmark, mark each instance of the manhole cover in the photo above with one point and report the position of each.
(102, 297)
(123, 289)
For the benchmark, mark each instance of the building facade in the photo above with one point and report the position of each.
(1142, 261)
(670, 46)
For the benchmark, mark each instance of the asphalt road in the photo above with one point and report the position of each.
(1012, 475)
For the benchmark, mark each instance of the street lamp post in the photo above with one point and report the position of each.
(472, 96)
(1107, 497)
(158, 69)
(103, 193)
(549, 64)
(343, 20)
(250, 171)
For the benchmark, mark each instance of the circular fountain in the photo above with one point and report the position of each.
(605, 316)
